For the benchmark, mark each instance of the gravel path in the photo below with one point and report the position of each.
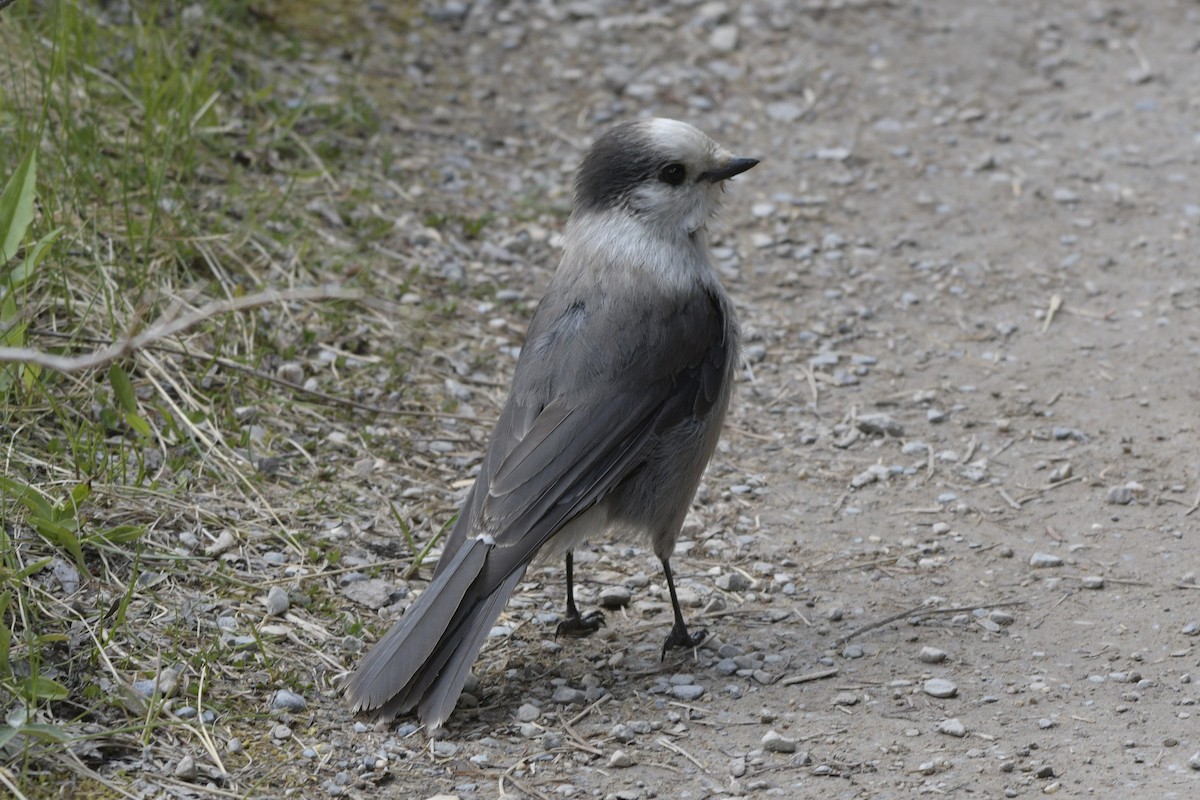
(947, 546)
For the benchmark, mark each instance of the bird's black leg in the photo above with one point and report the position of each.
(574, 625)
(679, 636)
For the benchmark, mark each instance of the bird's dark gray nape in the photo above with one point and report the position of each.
(619, 160)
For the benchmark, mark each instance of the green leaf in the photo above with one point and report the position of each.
(7, 734)
(5, 639)
(79, 493)
(137, 423)
(28, 496)
(16, 206)
(60, 536)
(46, 731)
(121, 534)
(43, 688)
(122, 388)
(20, 274)
(32, 569)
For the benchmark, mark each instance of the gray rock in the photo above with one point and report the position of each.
(443, 749)
(565, 695)
(528, 712)
(186, 768)
(724, 38)
(614, 597)
(940, 687)
(688, 692)
(775, 742)
(733, 582)
(784, 111)
(879, 425)
(622, 733)
(952, 727)
(1119, 496)
(374, 593)
(1044, 560)
(620, 759)
(287, 700)
(1092, 582)
(931, 655)
(276, 601)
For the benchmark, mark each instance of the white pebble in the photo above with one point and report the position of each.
(931, 655)
(952, 727)
(1043, 560)
(940, 687)
(774, 742)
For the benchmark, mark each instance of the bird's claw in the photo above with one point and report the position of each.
(679, 637)
(577, 626)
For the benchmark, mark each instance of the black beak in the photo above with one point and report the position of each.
(735, 166)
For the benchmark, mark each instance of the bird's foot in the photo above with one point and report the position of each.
(577, 626)
(679, 637)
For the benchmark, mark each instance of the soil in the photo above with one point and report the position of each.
(975, 218)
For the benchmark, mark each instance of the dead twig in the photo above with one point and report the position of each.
(918, 612)
(1048, 487)
(170, 324)
(663, 741)
(808, 677)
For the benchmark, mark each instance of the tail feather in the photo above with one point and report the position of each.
(402, 654)
(438, 702)
(424, 660)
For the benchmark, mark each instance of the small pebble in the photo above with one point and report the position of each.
(931, 655)
(622, 733)
(281, 732)
(1001, 617)
(620, 758)
(952, 727)
(443, 749)
(528, 712)
(233, 746)
(277, 601)
(940, 687)
(1194, 761)
(287, 700)
(1093, 582)
(845, 699)
(565, 695)
(186, 768)
(1119, 495)
(1044, 560)
(774, 742)
(688, 692)
(614, 597)
(733, 582)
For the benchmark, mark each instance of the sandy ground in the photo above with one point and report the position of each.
(975, 218)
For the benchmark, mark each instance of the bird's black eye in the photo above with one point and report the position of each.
(672, 174)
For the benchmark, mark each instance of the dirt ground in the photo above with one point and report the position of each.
(977, 219)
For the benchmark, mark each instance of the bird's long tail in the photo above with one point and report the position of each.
(423, 661)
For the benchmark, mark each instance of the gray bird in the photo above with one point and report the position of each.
(616, 407)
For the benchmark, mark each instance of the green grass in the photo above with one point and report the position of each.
(163, 159)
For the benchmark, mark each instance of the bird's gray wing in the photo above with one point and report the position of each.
(584, 443)
(560, 446)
